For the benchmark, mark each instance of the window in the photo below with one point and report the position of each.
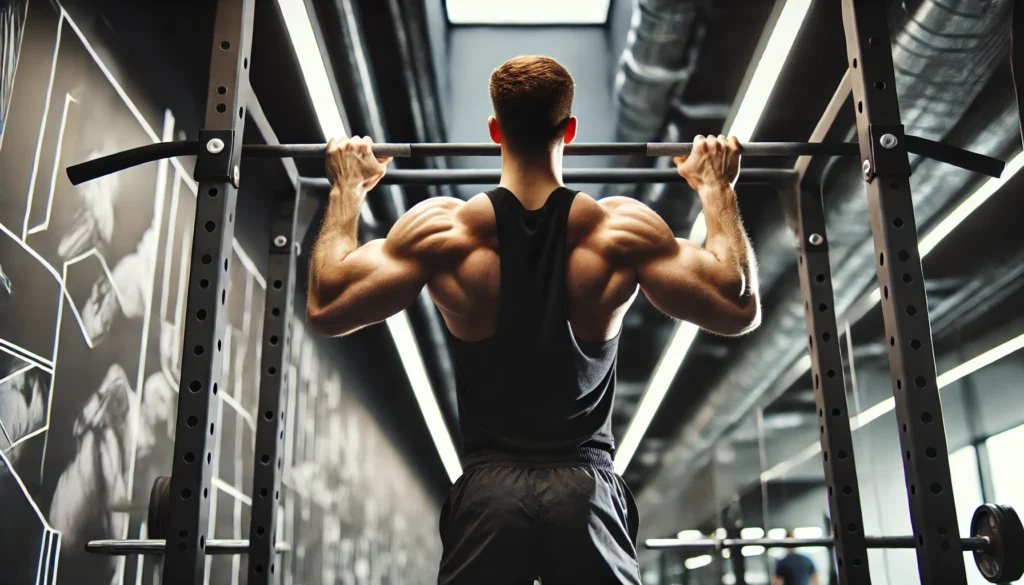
(1007, 475)
(528, 11)
(963, 466)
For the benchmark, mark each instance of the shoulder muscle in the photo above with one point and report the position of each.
(634, 231)
(435, 229)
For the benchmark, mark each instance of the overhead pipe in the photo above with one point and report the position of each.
(660, 56)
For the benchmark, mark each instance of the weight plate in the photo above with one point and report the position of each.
(985, 524)
(1001, 561)
(159, 508)
(1012, 532)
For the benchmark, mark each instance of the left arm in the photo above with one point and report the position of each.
(352, 286)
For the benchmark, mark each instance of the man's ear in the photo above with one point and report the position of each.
(494, 129)
(570, 130)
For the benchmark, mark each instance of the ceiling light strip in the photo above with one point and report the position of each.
(311, 63)
(412, 361)
(526, 12)
(314, 72)
(769, 66)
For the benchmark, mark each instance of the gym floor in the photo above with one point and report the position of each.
(93, 278)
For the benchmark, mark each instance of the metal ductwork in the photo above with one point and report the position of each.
(660, 56)
(943, 53)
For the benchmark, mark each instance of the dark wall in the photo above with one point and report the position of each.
(92, 284)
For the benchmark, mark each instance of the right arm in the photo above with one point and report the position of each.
(714, 286)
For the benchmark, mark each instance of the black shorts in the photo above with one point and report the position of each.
(514, 523)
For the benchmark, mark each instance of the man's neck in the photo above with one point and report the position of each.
(531, 179)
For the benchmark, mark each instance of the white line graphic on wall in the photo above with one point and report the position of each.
(39, 563)
(34, 433)
(28, 497)
(42, 132)
(237, 407)
(24, 354)
(16, 373)
(68, 99)
(42, 261)
(74, 308)
(172, 222)
(231, 490)
(7, 435)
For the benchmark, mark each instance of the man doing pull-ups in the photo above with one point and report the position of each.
(532, 280)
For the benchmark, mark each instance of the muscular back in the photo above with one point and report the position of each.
(615, 246)
(467, 292)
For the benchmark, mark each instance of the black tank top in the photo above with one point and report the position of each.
(532, 391)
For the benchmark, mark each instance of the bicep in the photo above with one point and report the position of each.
(374, 284)
(686, 282)
(679, 277)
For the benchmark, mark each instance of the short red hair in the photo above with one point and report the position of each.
(532, 98)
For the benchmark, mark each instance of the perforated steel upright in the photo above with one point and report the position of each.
(217, 171)
(277, 334)
(886, 171)
(830, 390)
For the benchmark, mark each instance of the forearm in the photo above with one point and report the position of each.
(338, 237)
(726, 238)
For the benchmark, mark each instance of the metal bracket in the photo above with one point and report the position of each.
(888, 152)
(214, 161)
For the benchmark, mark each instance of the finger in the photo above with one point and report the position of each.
(699, 144)
(385, 161)
(722, 140)
(734, 143)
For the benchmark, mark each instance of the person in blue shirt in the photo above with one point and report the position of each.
(795, 568)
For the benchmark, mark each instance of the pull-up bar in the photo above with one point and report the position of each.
(577, 176)
(118, 161)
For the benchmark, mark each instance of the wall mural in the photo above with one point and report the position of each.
(12, 22)
(92, 294)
